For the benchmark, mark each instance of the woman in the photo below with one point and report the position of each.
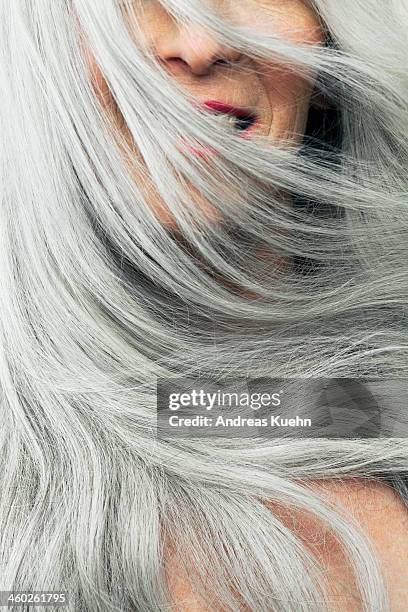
(214, 189)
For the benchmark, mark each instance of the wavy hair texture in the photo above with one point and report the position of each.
(98, 300)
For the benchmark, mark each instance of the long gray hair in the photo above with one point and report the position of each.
(98, 300)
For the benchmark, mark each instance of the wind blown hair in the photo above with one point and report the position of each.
(99, 299)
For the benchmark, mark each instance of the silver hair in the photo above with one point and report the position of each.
(98, 300)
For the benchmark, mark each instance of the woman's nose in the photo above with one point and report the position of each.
(193, 47)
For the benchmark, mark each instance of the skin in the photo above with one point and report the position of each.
(281, 99)
(381, 516)
(208, 70)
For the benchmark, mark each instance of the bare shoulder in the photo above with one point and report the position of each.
(381, 514)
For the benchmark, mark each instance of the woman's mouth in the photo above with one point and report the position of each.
(240, 119)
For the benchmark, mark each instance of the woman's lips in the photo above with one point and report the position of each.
(247, 118)
(241, 113)
(198, 149)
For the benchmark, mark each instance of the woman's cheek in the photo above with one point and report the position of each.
(97, 80)
(289, 98)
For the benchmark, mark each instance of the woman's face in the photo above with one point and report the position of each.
(223, 79)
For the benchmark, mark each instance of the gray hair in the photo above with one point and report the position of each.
(98, 300)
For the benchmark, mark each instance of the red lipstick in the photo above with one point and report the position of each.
(246, 119)
(245, 122)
